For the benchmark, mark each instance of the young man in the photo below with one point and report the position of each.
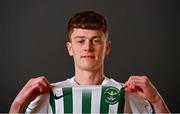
(88, 45)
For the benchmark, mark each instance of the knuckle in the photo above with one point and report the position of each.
(42, 78)
(38, 84)
(145, 78)
(31, 79)
(131, 77)
(146, 81)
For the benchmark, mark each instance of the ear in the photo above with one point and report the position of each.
(69, 48)
(108, 47)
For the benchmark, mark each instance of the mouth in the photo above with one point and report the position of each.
(88, 56)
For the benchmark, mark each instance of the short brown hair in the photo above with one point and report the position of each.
(87, 20)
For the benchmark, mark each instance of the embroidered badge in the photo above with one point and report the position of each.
(112, 95)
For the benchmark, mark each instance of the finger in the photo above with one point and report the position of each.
(132, 78)
(136, 83)
(131, 83)
(124, 86)
(133, 86)
(129, 89)
(140, 78)
(139, 81)
(40, 89)
(48, 83)
(39, 85)
(44, 82)
(127, 83)
(44, 87)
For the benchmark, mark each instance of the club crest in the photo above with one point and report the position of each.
(112, 95)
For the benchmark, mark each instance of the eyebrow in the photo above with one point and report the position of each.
(85, 37)
(79, 37)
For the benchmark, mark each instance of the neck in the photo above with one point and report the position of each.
(84, 77)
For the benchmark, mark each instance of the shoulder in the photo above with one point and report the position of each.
(61, 83)
(66, 83)
(111, 82)
(133, 102)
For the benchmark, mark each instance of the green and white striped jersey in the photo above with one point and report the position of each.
(69, 97)
(87, 99)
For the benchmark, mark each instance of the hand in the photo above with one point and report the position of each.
(143, 87)
(33, 88)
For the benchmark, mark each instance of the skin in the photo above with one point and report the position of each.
(88, 49)
(142, 86)
(33, 88)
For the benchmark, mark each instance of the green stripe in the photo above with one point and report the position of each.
(121, 101)
(52, 102)
(104, 106)
(86, 101)
(68, 102)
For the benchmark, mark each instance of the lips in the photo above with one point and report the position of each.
(88, 56)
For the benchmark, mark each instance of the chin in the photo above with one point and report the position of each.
(88, 68)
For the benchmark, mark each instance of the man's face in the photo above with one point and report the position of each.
(88, 48)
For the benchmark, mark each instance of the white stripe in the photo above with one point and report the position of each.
(59, 103)
(96, 99)
(77, 99)
(113, 108)
(49, 108)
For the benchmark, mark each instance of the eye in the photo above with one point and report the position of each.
(96, 41)
(80, 41)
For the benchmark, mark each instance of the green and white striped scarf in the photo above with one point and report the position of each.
(87, 99)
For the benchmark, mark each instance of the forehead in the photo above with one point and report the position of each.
(87, 33)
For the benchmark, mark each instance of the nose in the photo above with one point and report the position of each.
(89, 46)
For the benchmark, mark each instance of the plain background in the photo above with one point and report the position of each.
(144, 35)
